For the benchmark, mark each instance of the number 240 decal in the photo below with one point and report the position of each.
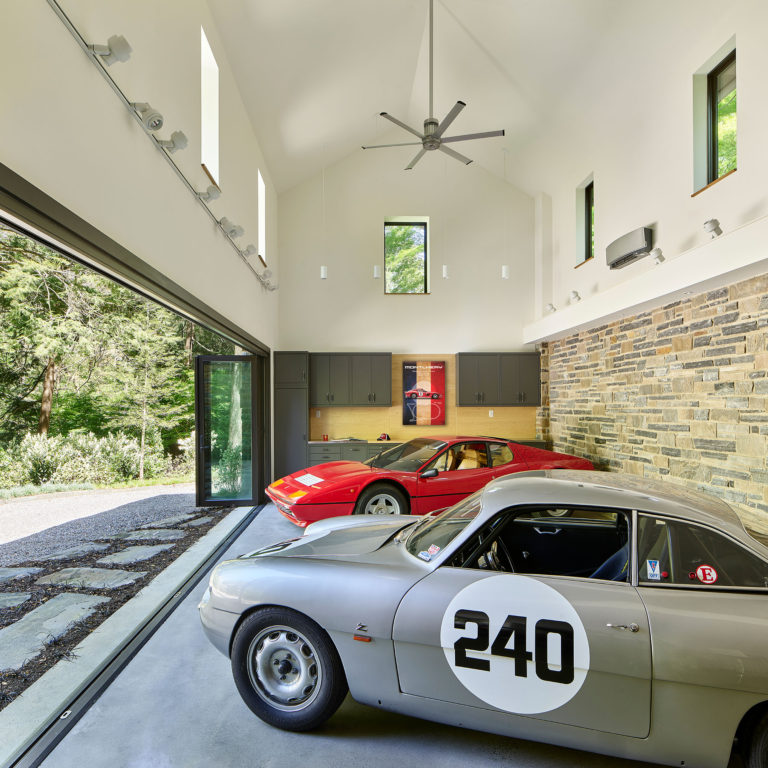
(515, 628)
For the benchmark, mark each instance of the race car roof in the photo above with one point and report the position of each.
(612, 489)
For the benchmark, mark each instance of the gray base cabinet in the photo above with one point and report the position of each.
(319, 453)
(498, 379)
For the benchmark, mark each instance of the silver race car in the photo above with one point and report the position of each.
(586, 609)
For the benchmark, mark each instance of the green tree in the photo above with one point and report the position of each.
(404, 258)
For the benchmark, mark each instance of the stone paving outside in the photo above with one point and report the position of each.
(33, 617)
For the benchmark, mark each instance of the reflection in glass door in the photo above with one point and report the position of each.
(228, 426)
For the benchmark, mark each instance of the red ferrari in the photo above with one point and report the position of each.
(416, 478)
(420, 392)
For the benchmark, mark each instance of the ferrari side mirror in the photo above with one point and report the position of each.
(428, 473)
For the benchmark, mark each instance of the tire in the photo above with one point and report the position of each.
(412, 397)
(757, 756)
(435, 395)
(287, 669)
(381, 499)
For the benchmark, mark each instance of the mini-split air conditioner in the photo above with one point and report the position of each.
(628, 248)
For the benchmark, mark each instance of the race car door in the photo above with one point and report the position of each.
(568, 650)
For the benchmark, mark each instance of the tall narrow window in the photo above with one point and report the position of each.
(721, 107)
(405, 257)
(262, 203)
(589, 220)
(209, 110)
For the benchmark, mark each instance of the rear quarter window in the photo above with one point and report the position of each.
(684, 554)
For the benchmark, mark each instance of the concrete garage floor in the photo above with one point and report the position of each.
(175, 706)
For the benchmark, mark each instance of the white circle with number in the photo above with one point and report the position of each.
(515, 643)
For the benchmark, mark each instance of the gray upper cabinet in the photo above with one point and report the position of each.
(291, 369)
(350, 379)
(498, 379)
(372, 379)
(329, 377)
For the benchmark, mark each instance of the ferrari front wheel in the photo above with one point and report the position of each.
(287, 669)
(381, 499)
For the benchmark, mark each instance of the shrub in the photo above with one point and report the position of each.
(37, 454)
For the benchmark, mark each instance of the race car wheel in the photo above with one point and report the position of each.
(435, 395)
(413, 396)
(758, 748)
(381, 499)
(287, 669)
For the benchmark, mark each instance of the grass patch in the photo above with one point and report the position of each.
(34, 490)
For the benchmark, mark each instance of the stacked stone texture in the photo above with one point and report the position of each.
(679, 392)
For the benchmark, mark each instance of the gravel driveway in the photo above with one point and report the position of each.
(35, 526)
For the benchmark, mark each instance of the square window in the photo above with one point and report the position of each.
(721, 108)
(405, 257)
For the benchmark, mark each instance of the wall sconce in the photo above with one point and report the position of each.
(212, 193)
(323, 273)
(116, 49)
(177, 141)
(505, 271)
(575, 297)
(151, 119)
(230, 228)
(657, 255)
(713, 227)
(445, 271)
(376, 271)
(550, 308)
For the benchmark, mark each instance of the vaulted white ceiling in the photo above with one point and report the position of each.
(315, 75)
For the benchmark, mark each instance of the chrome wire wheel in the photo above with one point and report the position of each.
(382, 504)
(283, 668)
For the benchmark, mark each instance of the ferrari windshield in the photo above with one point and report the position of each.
(407, 457)
(433, 534)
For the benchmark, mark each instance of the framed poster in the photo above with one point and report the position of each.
(423, 392)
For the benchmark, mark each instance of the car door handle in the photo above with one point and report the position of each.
(545, 531)
(631, 627)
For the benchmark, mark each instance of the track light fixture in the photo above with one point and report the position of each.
(250, 249)
(657, 255)
(575, 297)
(150, 118)
(178, 140)
(550, 308)
(212, 193)
(713, 227)
(230, 228)
(116, 49)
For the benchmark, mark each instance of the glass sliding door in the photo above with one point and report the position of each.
(230, 404)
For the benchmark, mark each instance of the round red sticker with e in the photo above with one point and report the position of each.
(706, 574)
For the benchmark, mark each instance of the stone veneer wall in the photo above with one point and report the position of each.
(679, 392)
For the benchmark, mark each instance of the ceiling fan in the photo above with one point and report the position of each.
(432, 138)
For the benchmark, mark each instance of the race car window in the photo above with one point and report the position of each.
(581, 542)
(432, 534)
(470, 456)
(500, 454)
(684, 554)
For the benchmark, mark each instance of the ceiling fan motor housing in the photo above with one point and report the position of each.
(430, 126)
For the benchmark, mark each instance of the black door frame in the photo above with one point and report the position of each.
(260, 433)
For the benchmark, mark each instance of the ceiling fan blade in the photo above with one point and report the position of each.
(415, 160)
(449, 118)
(404, 144)
(402, 125)
(468, 136)
(456, 155)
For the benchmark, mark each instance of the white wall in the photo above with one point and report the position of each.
(477, 222)
(64, 130)
(630, 123)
